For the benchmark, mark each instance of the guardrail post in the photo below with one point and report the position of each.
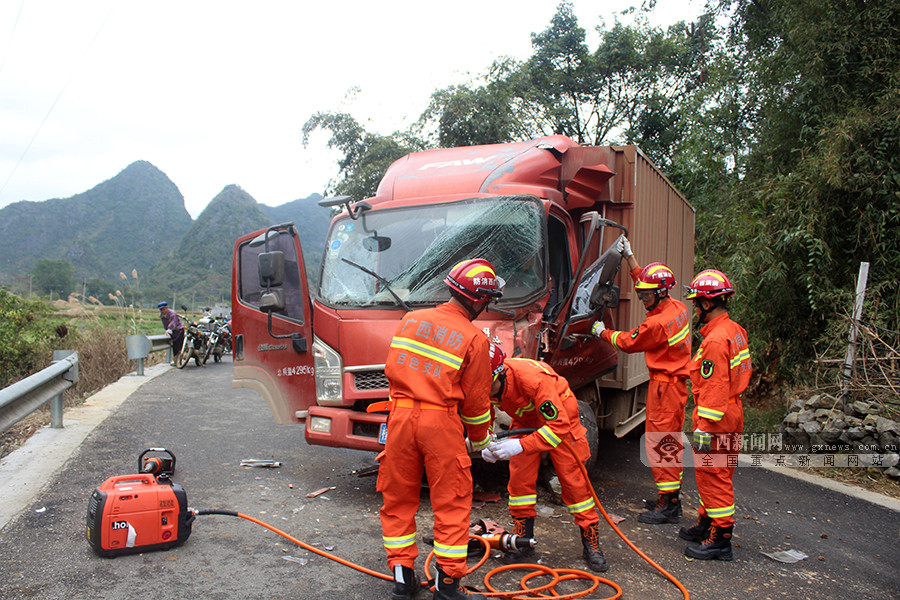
(56, 403)
(138, 347)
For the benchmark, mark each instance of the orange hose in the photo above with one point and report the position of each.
(525, 593)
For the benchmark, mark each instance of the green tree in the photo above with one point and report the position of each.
(818, 186)
(56, 276)
(366, 156)
(25, 337)
(632, 89)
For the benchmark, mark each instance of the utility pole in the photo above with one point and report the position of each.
(847, 374)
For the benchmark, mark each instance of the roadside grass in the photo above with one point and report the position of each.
(98, 334)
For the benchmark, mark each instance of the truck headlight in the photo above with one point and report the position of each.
(329, 371)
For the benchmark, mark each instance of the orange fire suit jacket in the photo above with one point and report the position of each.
(424, 360)
(720, 372)
(663, 337)
(536, 397)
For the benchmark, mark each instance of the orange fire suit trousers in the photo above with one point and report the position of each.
(666, 399)
(433, 440)
(576, 495)
(714, 470)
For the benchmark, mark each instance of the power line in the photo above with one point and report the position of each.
(12, 35)
(58, 96)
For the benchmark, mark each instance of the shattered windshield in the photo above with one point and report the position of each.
(405, 253)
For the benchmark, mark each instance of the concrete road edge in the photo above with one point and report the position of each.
(28, 469)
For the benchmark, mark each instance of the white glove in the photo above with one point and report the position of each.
(597, 328)
(624, 247)
(169, 332)
(506, 449)
(488, 456)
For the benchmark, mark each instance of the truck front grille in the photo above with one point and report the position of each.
(370, 380)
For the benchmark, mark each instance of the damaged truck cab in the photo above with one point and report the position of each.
(546, 213)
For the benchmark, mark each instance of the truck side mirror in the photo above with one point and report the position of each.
(604, 294)
(271, 269)
(272, 301)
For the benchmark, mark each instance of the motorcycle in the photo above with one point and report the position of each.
(219, 339)
(196, 344)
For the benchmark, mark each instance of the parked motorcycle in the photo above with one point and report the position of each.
(196, 343)
(219, 339)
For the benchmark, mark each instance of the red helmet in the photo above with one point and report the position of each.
(710, 284)
(497, 358)
(655, 276)
(475, 279)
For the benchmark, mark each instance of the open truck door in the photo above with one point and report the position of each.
(271, 306)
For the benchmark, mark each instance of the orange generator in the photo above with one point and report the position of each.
(137, 513)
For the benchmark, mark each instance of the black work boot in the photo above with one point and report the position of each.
(524, 527)
(667, 510)
(590, 540)
(717, 546)
(406, 583)
(448, 588)
(698, 532)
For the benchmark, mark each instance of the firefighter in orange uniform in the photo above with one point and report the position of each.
(439, 374)
(536, 397)
(720, 372)
(664, 338)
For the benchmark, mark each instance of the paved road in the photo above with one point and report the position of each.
(853, 545)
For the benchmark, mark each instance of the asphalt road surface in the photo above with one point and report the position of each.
(853, 545)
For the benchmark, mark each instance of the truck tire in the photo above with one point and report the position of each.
(589, 420)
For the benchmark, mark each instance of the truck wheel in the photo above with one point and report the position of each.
(589, 420)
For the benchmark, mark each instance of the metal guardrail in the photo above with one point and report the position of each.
(26, 396)
(139, 347)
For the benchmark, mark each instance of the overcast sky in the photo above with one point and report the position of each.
(215, 92)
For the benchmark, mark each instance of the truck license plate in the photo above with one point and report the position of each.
(382, 433)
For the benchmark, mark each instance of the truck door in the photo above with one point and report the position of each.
(272, 322)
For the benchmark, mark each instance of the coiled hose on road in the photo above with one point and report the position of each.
(533, 570)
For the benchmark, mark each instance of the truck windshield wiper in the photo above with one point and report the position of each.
(381, 280)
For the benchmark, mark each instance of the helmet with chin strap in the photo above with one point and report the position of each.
(476, 280)
(710, 284)
(655, 276)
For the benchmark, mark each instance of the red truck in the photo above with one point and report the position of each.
(546, 213)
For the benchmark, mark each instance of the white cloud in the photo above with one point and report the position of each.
(215, 92)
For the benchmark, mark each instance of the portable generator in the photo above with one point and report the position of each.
(137, 513)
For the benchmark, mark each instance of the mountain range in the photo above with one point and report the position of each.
(136, 223)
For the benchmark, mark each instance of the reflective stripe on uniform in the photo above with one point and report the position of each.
(441, 356)
(524, 409)
(709, 413)
(581, 506)
(477, 420)
(715, 513)
(531, 499)
(450, 551)
(614, 337)
(547, 433)
(741, 356)
(401, 541)
(679, 337)
(482, 444)
(668, 486)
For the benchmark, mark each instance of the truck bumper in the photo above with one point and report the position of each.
(344, 428)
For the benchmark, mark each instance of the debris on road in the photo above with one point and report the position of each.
(252, 462)
(786, 556)
(320, 492)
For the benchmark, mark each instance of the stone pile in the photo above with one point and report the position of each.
(820, 424)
